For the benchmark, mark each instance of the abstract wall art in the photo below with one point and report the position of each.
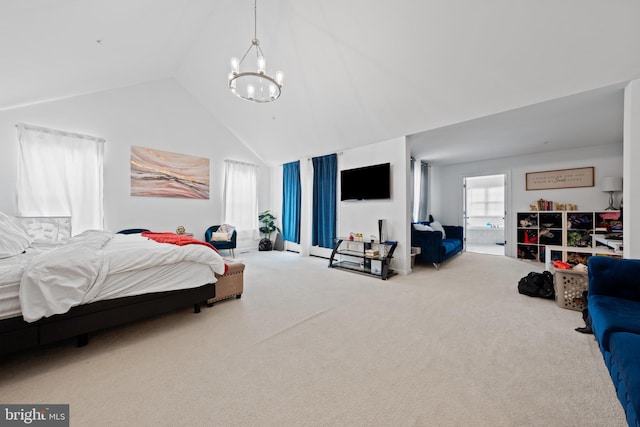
(157, 173)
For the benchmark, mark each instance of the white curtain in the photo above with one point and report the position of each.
(420, 200)
(240, 198)
(60, 174)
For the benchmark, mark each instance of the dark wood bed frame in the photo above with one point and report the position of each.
(16, 334)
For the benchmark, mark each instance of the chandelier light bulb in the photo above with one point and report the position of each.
(250, 91)
(232, 81)
(261, 64)
(235, 65)
(272, 91)
(279, 77)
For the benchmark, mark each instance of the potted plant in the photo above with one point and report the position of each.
(268, 226)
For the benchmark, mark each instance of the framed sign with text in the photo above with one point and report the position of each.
(561, 178)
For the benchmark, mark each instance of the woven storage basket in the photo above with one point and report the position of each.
(569, 286)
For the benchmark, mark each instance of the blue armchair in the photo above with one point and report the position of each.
(229, 245)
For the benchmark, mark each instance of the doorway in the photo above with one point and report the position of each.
(484, 214)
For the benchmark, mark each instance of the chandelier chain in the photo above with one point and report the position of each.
(255, 19)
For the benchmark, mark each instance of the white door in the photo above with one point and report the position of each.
(484, 214)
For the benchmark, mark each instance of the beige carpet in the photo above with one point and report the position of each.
(312, 346)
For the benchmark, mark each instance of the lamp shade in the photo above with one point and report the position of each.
(611, 183)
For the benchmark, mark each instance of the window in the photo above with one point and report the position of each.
(240, 197)
(60, 174)
(485, 200)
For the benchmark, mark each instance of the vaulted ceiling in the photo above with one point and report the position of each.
(444, 72)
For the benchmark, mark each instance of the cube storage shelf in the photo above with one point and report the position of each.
(567, 230)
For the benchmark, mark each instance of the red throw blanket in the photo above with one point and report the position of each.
(176, 239)
(180, 240)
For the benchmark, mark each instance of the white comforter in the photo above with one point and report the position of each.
(73, 274)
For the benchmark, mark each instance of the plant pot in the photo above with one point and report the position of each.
(265, 245)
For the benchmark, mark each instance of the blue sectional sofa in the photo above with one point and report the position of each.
(434, 249)
(614, 309)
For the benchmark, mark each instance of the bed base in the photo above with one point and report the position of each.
(17, 335)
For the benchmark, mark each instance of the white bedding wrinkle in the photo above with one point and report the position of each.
(79, 272)
(127, 252)
(14, 239)
(11, 270)
(56, 280)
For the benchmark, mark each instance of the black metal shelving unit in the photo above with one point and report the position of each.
(355, 256)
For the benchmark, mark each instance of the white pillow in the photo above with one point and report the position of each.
(438, 227)
(219, 237)
(14, 239)
(226, 228)
(47, 229)
(422, 227)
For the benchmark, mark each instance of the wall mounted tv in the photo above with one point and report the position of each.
(367, 183)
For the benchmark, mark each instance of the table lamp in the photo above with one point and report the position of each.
(611, 184)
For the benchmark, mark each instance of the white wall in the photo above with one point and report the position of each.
(159, 115)
(362, 216)
(631, 192)
(447, 205)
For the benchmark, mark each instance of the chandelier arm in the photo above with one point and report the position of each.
(259, 51)
(245, 54)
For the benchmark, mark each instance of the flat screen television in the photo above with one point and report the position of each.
(366, 183)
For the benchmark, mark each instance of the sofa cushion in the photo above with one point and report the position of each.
(451, 246)
(625, 348)
(436, 226)
(422, 227)
(615, 277)
(611, 314)
(220, 237)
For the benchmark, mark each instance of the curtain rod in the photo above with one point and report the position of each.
(59, 132)
(339, 153)
(238, 162)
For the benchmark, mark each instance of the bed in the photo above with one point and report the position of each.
(53, 287)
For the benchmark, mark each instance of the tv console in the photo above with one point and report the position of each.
(371, 258)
